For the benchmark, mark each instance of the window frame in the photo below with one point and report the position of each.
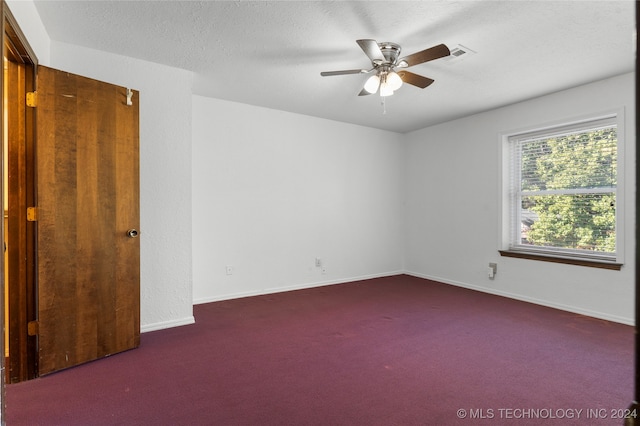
(551, 254)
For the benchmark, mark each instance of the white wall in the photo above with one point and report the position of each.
(452, 228)
(31, 25)
(274, 190)
(165, 175)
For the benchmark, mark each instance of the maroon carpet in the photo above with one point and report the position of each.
(388, 351)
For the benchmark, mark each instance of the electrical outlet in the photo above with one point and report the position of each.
(229, 270)
(318, 262)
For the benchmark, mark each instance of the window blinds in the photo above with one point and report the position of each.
(563, 190)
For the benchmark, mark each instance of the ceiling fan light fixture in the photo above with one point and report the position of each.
(372, 84)
(389, 82)
(394, 81)
(385, 90)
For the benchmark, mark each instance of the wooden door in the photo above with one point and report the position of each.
(87, 183)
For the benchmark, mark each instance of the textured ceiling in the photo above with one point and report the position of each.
(270, 53)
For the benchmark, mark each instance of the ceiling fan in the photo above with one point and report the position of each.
(388, 67)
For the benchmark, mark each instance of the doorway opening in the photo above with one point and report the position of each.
(18, 188)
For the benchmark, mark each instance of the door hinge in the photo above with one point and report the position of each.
(32, 214)
(33, 328)
(32, 99)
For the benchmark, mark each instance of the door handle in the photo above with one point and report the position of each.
(132, 233)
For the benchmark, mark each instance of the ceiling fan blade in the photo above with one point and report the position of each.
(343, 72)
(371, 49)
(435, 52)
(415, 79)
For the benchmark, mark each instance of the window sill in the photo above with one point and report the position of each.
(567, 261)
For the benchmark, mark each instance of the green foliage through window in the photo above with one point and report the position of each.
(567, 190)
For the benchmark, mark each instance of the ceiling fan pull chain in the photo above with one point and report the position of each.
(384, 105)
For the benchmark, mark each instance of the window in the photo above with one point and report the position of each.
(562, 192)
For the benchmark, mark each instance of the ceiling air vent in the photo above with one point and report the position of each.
(459, 53)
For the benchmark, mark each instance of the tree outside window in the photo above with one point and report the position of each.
(564, 186)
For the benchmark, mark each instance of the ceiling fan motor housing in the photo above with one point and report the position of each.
(390, 51)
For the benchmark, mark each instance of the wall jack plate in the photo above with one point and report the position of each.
(492, 270)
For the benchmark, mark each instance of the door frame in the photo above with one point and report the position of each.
(22, 300)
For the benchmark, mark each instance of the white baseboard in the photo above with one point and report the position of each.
(562, 307)
(272, 290)
(167, 324)
(559, 306)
